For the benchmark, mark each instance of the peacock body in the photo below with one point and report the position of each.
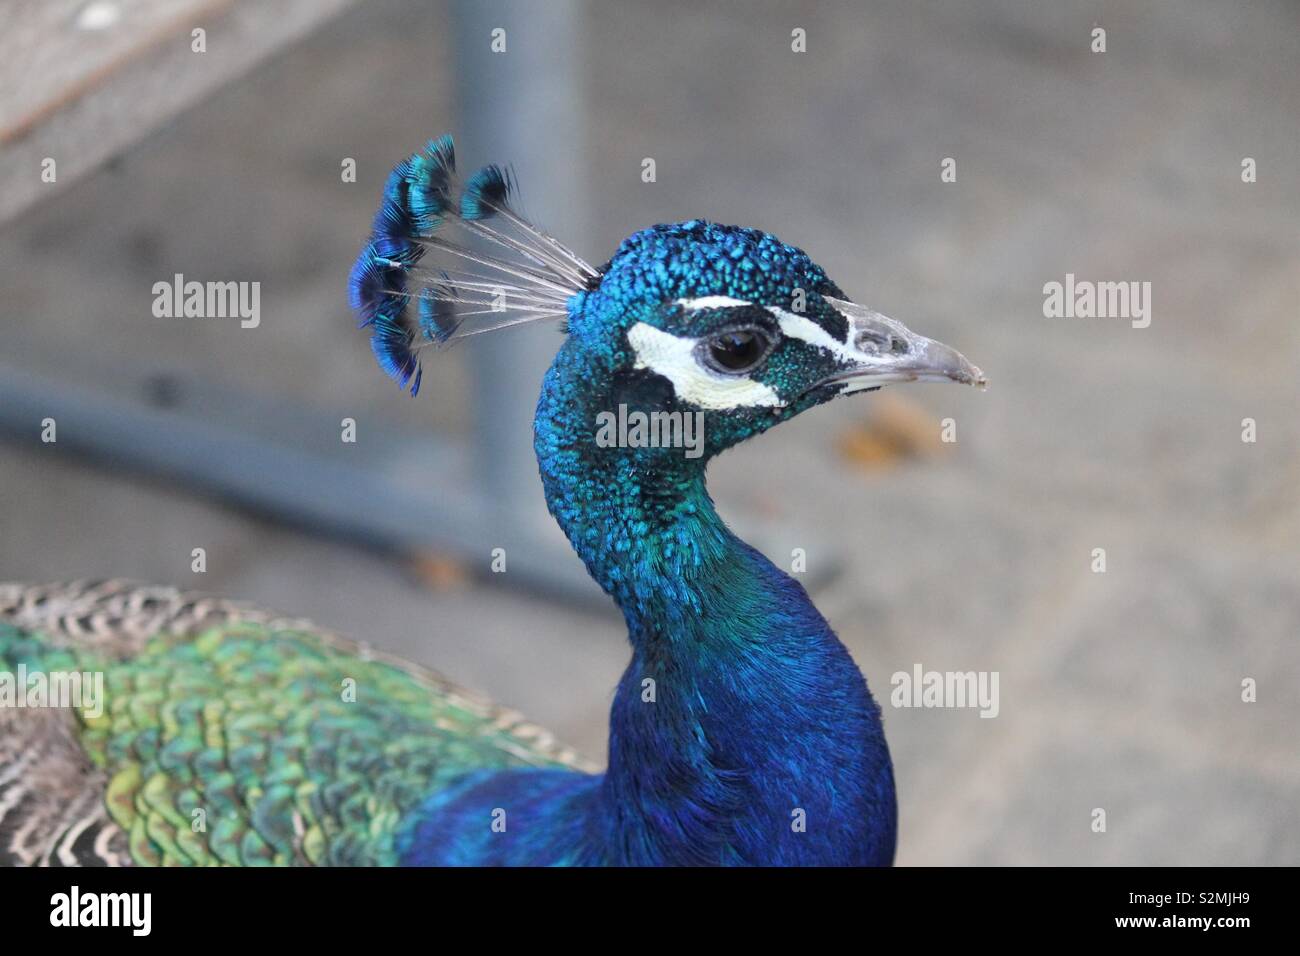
(741, 733)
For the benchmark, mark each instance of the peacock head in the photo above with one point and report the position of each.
(727, 325)
(740, 329)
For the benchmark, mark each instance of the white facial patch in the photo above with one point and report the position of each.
(674, 358)
(806, 330)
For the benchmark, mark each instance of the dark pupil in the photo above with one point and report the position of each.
(736, 350)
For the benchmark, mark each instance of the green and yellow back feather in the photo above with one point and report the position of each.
(240, 742)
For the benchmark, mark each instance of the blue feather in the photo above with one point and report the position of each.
(391, 341)
(487, 192)
(394, 225)
(428, 182)
(371, 283)
(438, 318)
(506, 272)
(417, 197)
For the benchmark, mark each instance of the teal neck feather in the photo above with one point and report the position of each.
(741, 730)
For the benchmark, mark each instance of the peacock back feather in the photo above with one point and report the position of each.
(225, 735)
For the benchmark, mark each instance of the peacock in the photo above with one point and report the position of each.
(741, 733)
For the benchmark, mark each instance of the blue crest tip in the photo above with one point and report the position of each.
(417, 197)
(438, 319)
(428, 184)
(390, 340)
(487, 192)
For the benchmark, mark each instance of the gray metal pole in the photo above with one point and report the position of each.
(522, 106)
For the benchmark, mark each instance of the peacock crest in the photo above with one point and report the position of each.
(463, 252)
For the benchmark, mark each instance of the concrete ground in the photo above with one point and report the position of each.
(1119, 690)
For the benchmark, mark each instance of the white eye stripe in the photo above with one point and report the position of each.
(674, 358)
(806, 330)
(793, 325)
(711, 302)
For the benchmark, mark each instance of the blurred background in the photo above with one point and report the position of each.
(1119, 690)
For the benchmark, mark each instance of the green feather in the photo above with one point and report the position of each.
(252, 746)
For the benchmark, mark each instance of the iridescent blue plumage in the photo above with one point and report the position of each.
(416, 198)
(760, 717)
(742, 732)
(377, 288)
(486, 193)
(437, 317)
(391, 343)
(532, 280)
(428, 183)
(368, 283)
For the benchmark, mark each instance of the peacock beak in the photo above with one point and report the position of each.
(884, 351)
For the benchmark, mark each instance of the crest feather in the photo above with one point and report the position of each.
(498, 269)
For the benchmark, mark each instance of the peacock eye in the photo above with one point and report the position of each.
(737, 350)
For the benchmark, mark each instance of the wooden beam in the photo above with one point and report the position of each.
(83, 80)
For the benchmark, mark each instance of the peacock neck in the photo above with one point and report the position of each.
(741, 731)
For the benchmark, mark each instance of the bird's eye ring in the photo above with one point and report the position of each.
(736, 351)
